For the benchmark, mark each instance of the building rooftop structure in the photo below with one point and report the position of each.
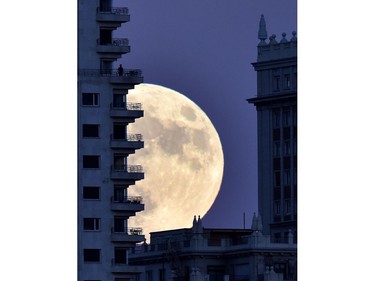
(218, 254)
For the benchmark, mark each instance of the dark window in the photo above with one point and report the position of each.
(119, 193)
(277, 193)
(276, 164)
(287, 206)
(287, 192)
(161, 274)
(120, 224)
(276, 134)
(286, 162)
(286, 133)
(276, 83)
(119, 100)
(91, 255)
(286, 177)
(277, 178)
(119, 131)
(119, 161)
(276, 207)
(105, 37)
(120, 255)
(91, 224)
(91, 161)
(90, 131)
(286, 117)
(90, 99)
(91, 192)
(276, 118)
(276, 149)
(149, 275)
(286, 148)
(287, 81)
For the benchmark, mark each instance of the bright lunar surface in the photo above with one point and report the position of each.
(182, 160)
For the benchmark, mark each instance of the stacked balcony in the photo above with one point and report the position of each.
(129, 235)
(113, 46)
(127, 172)
(130, 204)
(114, 15)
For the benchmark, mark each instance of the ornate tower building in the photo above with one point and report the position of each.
(276, 105)
(105, 230)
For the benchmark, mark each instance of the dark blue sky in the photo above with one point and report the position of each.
(204, 50)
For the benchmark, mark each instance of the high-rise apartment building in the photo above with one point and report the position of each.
(105, 232)
(276, 104)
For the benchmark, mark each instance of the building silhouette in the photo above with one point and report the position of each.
(105, 233)
(276, 105)
(267, 251)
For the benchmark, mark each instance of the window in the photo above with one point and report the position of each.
(286, 148)
(119, 193)
(161, 274)
(286, 177)
(119, 100)
(105, 37)
(276, 163)
(120, 224)
(91, 192)
(119, 161)
(90, 99)
(287, 81)
(287, 206)
(119, 131)
(277, 178)
(276, 83)
(149, 275)
(276, 118)
(276, 207)
(92, 224)
(121, 255)
(276, 149)
(277, 193)
(91, 255)
(91, 161)
(286, 117)
(90, 130)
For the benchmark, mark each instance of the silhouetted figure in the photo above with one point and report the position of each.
(120, 70)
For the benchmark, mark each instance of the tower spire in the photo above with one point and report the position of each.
(262, 33)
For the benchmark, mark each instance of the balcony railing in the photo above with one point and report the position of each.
(128, 168)
(114, 10)
(129, 137)
(128, 73)
(129, 231)
(128, 200)
(127, 106)
(114, 42)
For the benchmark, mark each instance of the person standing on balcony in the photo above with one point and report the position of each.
(120, 70)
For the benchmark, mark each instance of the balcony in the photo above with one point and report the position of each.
(116, 15)
(130, 143)
(127, 172)
(125, 268)
(116, 45)
(129, 76)
(130, 204)
(130, 235)
(126, 110)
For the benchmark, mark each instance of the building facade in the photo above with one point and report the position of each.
(276, 105)
(203, 254)
(105, 231)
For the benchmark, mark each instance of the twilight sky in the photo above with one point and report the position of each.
(204, 49)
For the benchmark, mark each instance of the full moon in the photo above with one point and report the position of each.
(182, 159)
